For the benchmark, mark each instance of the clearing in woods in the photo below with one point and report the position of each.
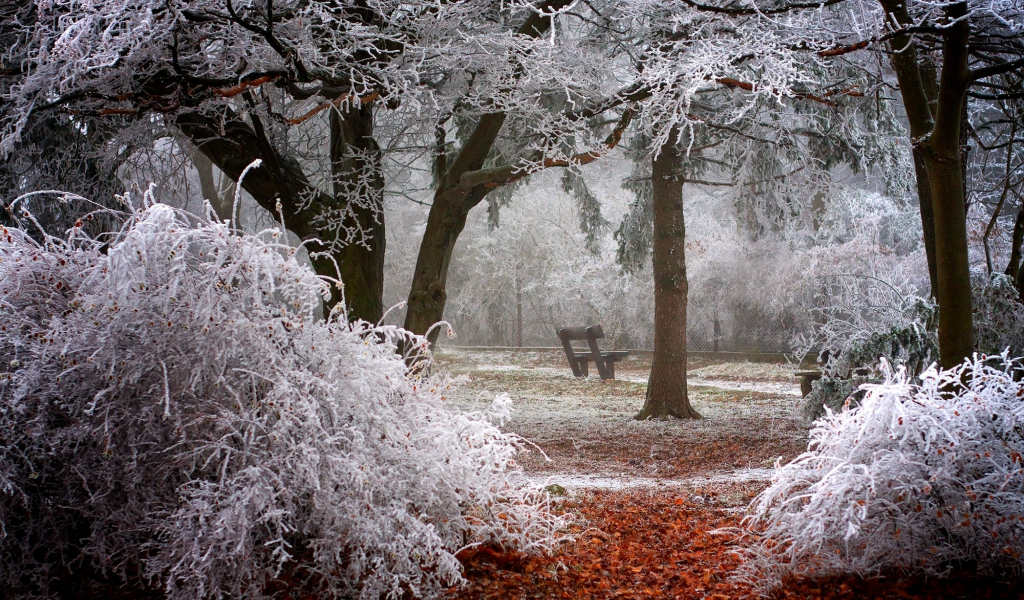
(586, 426)
(646, 496)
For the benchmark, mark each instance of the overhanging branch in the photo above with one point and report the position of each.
(499, 176)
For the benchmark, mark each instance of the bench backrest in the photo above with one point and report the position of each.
(580, 333)
(591, 333)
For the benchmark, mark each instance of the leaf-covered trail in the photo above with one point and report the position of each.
(647, 496)
(627, 545)
(639, 545)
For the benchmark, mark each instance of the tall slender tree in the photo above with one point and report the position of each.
(730, 108)
(666, 388)
(964, 45)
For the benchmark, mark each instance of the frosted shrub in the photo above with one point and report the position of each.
(170, 407)
(998, 315)
(915, 479)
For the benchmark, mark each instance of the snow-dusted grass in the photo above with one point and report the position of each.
(746, 371)
(920, 478)
(576, 482)
(170, 405)
(586, 426)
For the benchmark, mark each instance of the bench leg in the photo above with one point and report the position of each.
(609, 365)
(584, 369)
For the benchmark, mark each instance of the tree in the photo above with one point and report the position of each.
(769, 144)
(972, 42)
(292, 84)
(978, 42)
(255, 80)
(548, 123)
(666, 389)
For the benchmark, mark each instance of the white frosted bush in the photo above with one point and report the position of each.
(916, 479)
(170, 406)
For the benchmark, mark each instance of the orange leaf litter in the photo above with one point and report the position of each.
(633, 544)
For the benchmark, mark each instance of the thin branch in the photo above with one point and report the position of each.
(497, 177)
(353, 98)
(754, 11)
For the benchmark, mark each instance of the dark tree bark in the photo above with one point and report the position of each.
(930, 82)
(456, 194)
(232, 144)
(447, 218)
(936, 135)
(920, 89)
(924, 198)
(943, 158)
(357, 170)
(666, 387)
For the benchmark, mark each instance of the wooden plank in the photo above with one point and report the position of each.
(602, 365)
(570, 354)
(581, 333)
(615, 355)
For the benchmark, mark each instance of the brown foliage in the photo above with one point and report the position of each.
(636, 545)
(628, 545)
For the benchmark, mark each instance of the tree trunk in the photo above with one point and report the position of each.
(924, 198)
(935, 134)
(357, 171)
(666, 387)
(944, 161)
(446, 220)
(427, 295)
(919, 84)
(232, 144)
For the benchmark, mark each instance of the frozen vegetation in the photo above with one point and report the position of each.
(923, 476)
(171, 409)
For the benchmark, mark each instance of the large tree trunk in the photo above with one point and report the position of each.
(358, 172)
(445, 222)
(234, 143)
(935, 133)
(930, 84)
(427, 295)
(944, 161)
(920, 89)
(666, 387)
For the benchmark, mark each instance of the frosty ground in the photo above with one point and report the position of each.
(586, 437)
(651, 498)
(645, 494)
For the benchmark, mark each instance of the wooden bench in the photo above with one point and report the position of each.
(579, 361)
(809, 377)
(806, 379)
